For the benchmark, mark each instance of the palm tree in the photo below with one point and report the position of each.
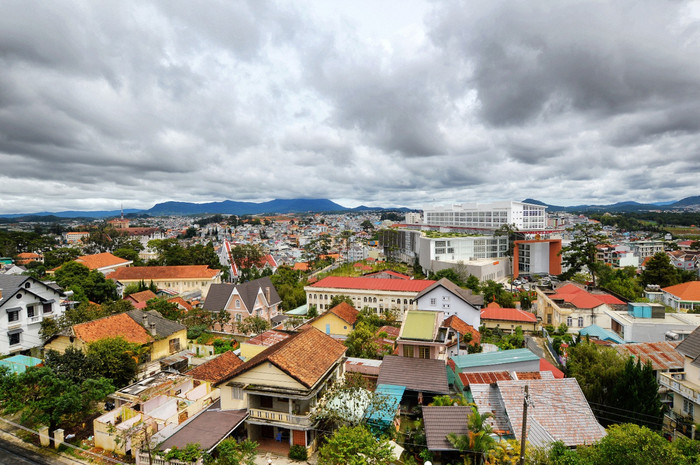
(477, 441)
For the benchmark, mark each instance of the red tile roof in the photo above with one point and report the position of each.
(101, 260)
(143, 296)
(301, 266)
(305, 356)
(581, 298)
(345, 312)
(374, 284)
(217, 369)
(391, 331)
(688, 292)
(546, 366)
(528, 375)
(148, 273)
(181, 302)
(485, 377)
(112, 326)
(462, 328)
(507, 314)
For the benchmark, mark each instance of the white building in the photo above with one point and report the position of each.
(446, 297)
(413, 218)
(24, 303)
(524, 216)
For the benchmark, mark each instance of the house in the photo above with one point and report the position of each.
(576, 307)
(684, 387)
(24, 303)
(139, 299)
(424, 334)
(160, 404)
(503, 360)
(253, 298)
(683, 297)
(266, 262)
(595, 332)
(684, 260)
(378, 294)
(663, 356)
(422, 378)
(26, 258)
(645, 322)
(161, 337)
(507, 319)
(105, 262)
(337, 322)
(445, 296)
(182, 279)
(262, 341)
(558, 411)
(280, 385)
(74, 237)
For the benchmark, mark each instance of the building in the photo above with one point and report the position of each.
(262, 341)
(504, 360)
(337, 322)
(644, 249)
(26, 258)
(427, 335)
(683, 297)
(375, 293)
(576, 307)
(422, 378)
(280, 386)
(105, 262)
(643, 322)
(257, 298)
(24, 303)
(537, 256)
(74, 237)
(684, 388)
(507, 319)
(182, 279)
(524, 216)
(446, 297)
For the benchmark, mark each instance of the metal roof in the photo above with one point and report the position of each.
(419, 325)
(494, 358)
(601, 333)
(416, 374)
(662, 355)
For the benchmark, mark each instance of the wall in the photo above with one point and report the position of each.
(450, 304)
(338, 326)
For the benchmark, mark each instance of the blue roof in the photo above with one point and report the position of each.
(494, 358)
(601, 333)
(20, 363)
(385, 403)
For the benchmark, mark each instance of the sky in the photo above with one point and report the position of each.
(390, 103)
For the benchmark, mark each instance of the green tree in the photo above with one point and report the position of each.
(115, 359)
(361, 341)
(636, 396)
(232, 452)
(367, 225)
(623, 281)
(660, 271)
(253, 325)
(40, 396)
(478, 441)
(168, 310)
(58, 257)
(354, 446)
(86, 284)
(128, 254)
(582, 252)
(338, 299)
(630, 444)
(73, 364)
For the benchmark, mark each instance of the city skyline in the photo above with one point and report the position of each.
(404, 103)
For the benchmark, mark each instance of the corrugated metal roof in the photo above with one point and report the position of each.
(483, 377)
(662, 355)
(487, 399)
(494, 358)
(416, 374)
(440, 421)
(385, 404)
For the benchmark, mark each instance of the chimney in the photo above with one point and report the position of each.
(267, 295)
(152, 327)
(144, 320)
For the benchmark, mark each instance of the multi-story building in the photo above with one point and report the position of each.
(280, 386)
(684, 388)
(24, 303)
(575, 307)
(644, 249)
(181, 279)
(254, 298)
(524, 216)
(378, 294)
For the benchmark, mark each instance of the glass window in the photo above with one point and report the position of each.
(433, 301)
(13, 316)
(580, 322)
(408, 351)
(423, 352)
(569, 321)
(14, 338)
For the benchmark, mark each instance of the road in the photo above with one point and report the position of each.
(11, 454)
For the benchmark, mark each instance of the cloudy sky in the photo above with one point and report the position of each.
(391, 102)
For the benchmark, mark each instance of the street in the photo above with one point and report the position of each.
(11, 454)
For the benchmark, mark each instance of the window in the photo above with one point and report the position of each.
(423, 352)
(580, 322)
(236, 393)
(238, 303)
(48, 308)
(569, 321)
(174, 345)
(688, 407)
(14, 338)
(30, 311)
(433, 301)
(408, 351)
(238, 318)
(13, 316)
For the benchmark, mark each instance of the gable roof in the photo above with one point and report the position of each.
(163, 326)
(219, 294)
(558, 407)
(463, 294)
(11, 284)
(147, 273)
(419, 325)
(101, 260)
(143, 296)
(120, 325)
(581, 298)
(345, 312)
(689, 292)
(374, 284)
(662, 355)
(216, 369)
(496, 312)
(462, 328)
(690, 346)
(416, 374)
(305, 356)
(440, 421)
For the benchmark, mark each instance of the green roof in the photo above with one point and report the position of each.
(19, 363)
(302, 310)
(494, 358)
(419, 325)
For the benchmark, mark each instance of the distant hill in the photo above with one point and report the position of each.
(230, 207)
(621, 207)
(687, 202)
(71, 214)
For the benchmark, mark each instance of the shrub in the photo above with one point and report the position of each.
(297, 452)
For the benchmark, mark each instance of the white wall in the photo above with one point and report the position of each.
(449, 304)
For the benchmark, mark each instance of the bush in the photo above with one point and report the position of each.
(297, 452)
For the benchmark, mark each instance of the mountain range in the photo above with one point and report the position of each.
(620, 207)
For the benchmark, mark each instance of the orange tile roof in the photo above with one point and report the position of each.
(528, 375)
(688, 292)
(147, 273)
(462, 328)
(143, 296)
(507, 314)
(100, 260)
(182, 302)
(112, 326)
(268, 338)
(301, 266)
(581, 298)
(305, 356)
(345, 312)
(374, 284)
(217, 369)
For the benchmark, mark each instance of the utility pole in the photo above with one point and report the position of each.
(523, 436)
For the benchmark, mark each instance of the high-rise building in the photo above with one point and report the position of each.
(525, 216)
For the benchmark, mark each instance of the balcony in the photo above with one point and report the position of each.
(34, 319)
(678, 384)
(279, 417)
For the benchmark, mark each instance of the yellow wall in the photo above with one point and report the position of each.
(339, 327)
(249, 351)
(228, 403)
(266, 374)
(508, 325)
(161, 348)
(61, 343)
